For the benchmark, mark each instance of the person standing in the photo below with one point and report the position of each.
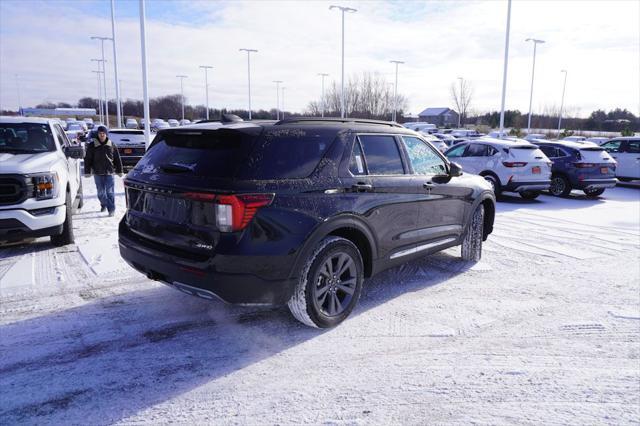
(103, 160)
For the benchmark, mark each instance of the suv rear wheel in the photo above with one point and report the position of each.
(560, 186)
(530, 195)
(472, 241)
(330, 284)
(594, 193)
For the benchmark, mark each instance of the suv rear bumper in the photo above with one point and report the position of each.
(590, 184)
(202, 279)
(538, 185)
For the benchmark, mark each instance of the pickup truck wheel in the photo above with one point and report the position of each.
(594, 193)
(66, 237)
(330, 284)
(472, 241)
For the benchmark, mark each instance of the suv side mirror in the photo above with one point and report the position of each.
(455, 169)
(74, 151)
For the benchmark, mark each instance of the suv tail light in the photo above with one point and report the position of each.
(514, 163)
(584, 165)
(234, 212)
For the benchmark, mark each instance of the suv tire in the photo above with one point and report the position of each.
(319, 299)
(560, 186)
(472, 240)
(66, 237)
(494, 182)
(594, 193)
(530, 195)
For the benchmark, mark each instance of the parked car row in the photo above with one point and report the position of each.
(156, 123)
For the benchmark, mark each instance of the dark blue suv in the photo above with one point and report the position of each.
(296, 212)
(578, 166)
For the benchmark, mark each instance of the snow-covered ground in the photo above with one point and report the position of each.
(545, 329)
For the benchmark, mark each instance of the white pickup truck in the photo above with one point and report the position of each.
(40, 180)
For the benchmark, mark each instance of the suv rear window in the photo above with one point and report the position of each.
(248, 153)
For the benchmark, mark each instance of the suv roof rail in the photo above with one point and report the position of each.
(337, 120)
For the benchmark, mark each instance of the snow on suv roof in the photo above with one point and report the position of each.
(569, 144)
(503, 142)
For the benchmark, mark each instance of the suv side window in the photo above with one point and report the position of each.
(457, 151)
(476, 150)
(382, 155)
(423, 159)
(356, 164)
(549, 151)
(612, 146)
(633, 147)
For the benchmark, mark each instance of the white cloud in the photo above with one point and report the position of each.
(598, 42)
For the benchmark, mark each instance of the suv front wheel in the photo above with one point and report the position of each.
(472, 241)
(330, 284)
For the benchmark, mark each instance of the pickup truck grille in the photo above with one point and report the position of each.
(14, 189)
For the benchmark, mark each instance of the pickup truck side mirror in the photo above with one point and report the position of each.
(75, 151)
(455, 169)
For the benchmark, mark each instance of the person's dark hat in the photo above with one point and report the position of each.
(102, 129)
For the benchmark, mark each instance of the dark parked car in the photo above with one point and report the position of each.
(130, 143)
(298, 212)
(578, 166)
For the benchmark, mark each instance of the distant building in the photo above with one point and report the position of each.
(439, 116)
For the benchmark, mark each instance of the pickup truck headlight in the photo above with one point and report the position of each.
(45, 185)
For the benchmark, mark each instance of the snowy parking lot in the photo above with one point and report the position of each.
(544, 329)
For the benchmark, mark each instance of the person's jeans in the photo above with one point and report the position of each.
(104, 185)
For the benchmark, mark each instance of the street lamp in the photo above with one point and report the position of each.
(249, 51)
(533, 70)
(145, 85)
(504, 73)
(564, 86)
(283, 102)
(104, 77)
(343, 10)
(99, 94)
(182, 77)
(460, 102)
(19, 101)
(277, 82)
(206, 85)
(101, 67)
(395, 91)
(115, 66)
(323, 75)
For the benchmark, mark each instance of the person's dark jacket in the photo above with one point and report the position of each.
(102, 158)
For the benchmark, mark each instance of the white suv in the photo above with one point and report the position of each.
(507, 164)
(40, 180)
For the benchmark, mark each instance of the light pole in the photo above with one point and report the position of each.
(460, 102)
(323, 75)
(104, 77)
(504, 73)
(206, 86)
(343, 10)
(99, 94)
(182, 77)
(249, 51)
(395, 91)
(121, 104)
(283, 102)
(533, 71)
(115, 66)
(100, 87)
(277, 82)
(564, 86)
(145, 86)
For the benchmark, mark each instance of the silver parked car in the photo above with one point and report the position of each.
(508, 165)
(626, 152)
(131, 123)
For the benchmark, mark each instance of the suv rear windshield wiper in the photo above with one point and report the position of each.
(177, 168)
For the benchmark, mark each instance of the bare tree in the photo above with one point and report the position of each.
(462, 95)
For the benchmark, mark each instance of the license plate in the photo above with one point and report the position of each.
(536, 170)
(604, 170)
(173, 209)
(128, 150)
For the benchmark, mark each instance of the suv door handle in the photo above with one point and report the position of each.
(362, 187)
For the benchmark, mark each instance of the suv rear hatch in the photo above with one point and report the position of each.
(596, 161)
(527, 163)
(194, 184)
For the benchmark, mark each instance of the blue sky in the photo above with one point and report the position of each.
(47, 45)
